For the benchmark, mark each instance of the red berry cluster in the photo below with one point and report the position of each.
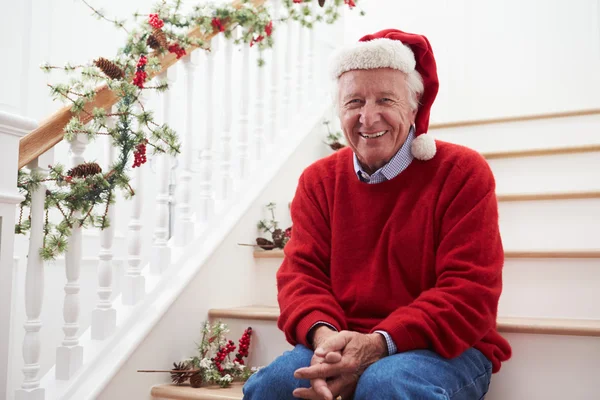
(257, 40)
(140, 72)
(68, 178)
(244, 346)
(217, 23)
(139, 154)
(298, 1)
(350, 3)
(288, 232)
(222, 354)
(174, 48)
(269, 28)
(155, 22)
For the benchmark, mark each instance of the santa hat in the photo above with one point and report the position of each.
(403, 51)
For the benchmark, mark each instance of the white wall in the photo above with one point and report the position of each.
(500, 58)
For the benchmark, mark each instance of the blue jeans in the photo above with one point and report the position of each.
(412, 375)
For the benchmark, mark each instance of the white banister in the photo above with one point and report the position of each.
(12, 129)
(287, 92)
(34, 293)
(225, 138)
(69, 356)
(300, 61)
(243, 159)
(161, 252)
(274, 117)
(206, 194)
(259, 112)
(104, 316)
(134, 283)
(184, 225)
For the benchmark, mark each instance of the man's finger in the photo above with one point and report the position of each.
(321, 388)
(309, 394)
(334, 343)
(322, 371)
(333, 357)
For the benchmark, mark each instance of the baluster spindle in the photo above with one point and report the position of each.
(311, 56)
(300, 82)
(206, 193)
(34, 293)
(259, 128)
(184, 227)
(161, 252)
(274, 117)
(225, 170)
(242, 141)
(287, 93)
(104, 316)
(69, 356)
(134, 283)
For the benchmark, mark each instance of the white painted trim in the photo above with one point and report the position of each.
(13, 124)
(11, 198)
(135, 323)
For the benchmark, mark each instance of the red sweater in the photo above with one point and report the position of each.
(418, 256)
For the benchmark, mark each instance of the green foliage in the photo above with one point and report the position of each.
(84, 200)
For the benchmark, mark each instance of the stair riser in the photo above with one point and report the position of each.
(556, 173)
(550, 224)
(551, 288)
(549, 133)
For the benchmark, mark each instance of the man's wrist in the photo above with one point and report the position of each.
(380, 345)
(318, 332)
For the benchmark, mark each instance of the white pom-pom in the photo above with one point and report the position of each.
(423, 147)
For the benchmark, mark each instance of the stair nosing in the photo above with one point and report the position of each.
(550, 151)
(530, 325)
(541, 254)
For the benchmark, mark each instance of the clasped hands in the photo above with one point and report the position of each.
(338, 362)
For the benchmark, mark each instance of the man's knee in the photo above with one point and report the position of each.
(276, 381)
(396, 378)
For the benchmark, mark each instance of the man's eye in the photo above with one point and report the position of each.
(353, 101)
(385, 99)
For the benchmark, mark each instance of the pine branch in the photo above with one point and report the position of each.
(100, 15)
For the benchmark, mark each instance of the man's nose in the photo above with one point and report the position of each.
(369, 114)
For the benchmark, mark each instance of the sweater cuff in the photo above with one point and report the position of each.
(306, 324)
(401, 336)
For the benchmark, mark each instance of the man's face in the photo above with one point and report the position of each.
(375, 114)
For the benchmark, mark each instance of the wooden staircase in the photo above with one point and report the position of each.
(579, 336)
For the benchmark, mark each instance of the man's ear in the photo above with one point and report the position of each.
(414, 114)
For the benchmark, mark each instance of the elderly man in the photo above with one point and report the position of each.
(390, 284)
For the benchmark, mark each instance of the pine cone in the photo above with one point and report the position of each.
(153, 42)
(179, 378)
(85, 169)
(196, 379)
(321, 3)
(160, 38)
(278, 238)
(336, 146)
(264, 244)
(109, 68)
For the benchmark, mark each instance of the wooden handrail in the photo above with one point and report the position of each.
(50, 132)
(592, 194)
(522, 118)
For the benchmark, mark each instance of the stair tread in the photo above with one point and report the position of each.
(586, 148)
(590, 253)
(550, 326)
(186, 392)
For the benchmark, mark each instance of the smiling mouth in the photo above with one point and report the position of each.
(373, 135)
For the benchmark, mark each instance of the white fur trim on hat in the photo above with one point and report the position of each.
(376, 53)
(423, 147)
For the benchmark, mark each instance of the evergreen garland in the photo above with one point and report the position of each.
(83, 198)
